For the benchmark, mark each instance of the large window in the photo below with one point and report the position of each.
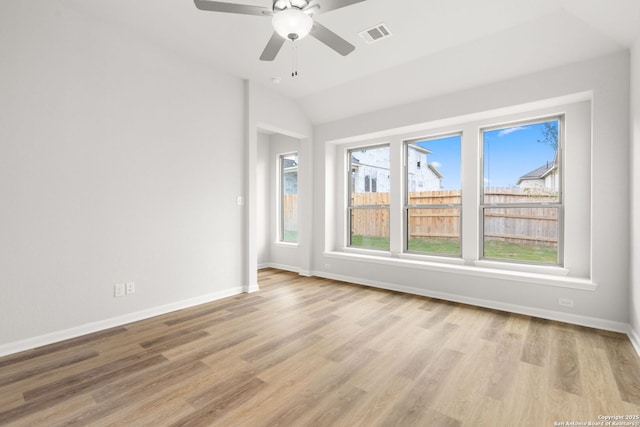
(433, 196)
(289, 198)
(521, 200)
(494, 195)
(368, 206)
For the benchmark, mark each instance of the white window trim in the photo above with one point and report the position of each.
(487, 269)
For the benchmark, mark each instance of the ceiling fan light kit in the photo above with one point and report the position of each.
(292, 24)
(292, 20)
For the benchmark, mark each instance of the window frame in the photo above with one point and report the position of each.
(406, 206)
(559, 204)
(349, 205)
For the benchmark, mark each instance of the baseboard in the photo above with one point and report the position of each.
(293, 269)
(511, 308)
(634, 337)
(31, 343)
(252, 288)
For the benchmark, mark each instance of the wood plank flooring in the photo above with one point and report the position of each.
(316, 352)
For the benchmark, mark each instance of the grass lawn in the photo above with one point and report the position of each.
(493, 248)
(440, 246)
(370, 242)
(520, 252)
(290, 236)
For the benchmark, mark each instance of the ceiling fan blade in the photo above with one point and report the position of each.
(331, 39)
(327, 5)
(273, 47)
(218, 6)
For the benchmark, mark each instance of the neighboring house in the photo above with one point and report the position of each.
(544, 177)
(422, 175)
(370, 172)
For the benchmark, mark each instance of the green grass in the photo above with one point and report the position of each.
(439, 246)
(290, 236)
(370, 242)
(493, 248)
(520, 252)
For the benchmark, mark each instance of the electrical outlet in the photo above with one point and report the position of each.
(118, 290)
(131, 288)
(565, 302)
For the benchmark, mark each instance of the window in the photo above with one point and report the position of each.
(521, 200)
(433, 196)
(501, 194)
(368, 205)
(289, 198)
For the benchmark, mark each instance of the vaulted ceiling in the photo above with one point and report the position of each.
(436, 47)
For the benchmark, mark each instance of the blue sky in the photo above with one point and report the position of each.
(509, 153)
(512, 152)
(445, 156)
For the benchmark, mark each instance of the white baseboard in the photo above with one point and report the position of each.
(252, 288)
(293, 269)
(511, 308)
(77, 331)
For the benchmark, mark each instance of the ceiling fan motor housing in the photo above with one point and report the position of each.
(279, 5)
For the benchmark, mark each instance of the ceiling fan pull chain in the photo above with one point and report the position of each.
(294, 59)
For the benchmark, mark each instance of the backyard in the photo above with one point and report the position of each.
(493, 248)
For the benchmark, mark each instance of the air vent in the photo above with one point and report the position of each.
(375, 34)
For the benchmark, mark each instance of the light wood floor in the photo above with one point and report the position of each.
(315, 352)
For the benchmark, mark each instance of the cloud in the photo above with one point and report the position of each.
(505, 132)
(436, 164)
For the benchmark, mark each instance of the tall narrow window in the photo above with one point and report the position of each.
(521, 205)
(368, 210)
(432, 196)
(289, 198)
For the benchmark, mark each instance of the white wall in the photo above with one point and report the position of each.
(635, 195)
(119, 161)
(263, 175)
(607, 79)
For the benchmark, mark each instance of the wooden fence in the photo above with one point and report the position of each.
(290, 211)
(518, 225)
(521, 225)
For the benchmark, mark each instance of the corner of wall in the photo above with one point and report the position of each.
(634, 147)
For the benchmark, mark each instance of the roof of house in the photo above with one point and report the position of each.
(436, 171)
(289, 164)
(538, 173)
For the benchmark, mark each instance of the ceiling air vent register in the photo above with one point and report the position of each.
(375, 33)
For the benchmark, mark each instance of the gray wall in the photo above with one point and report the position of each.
(119, 161)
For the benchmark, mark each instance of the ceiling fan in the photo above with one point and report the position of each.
(291, 19)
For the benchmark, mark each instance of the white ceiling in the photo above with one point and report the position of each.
(436, 47)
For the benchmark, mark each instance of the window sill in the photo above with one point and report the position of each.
(547, 276)
(551, 270)
(285, 244)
